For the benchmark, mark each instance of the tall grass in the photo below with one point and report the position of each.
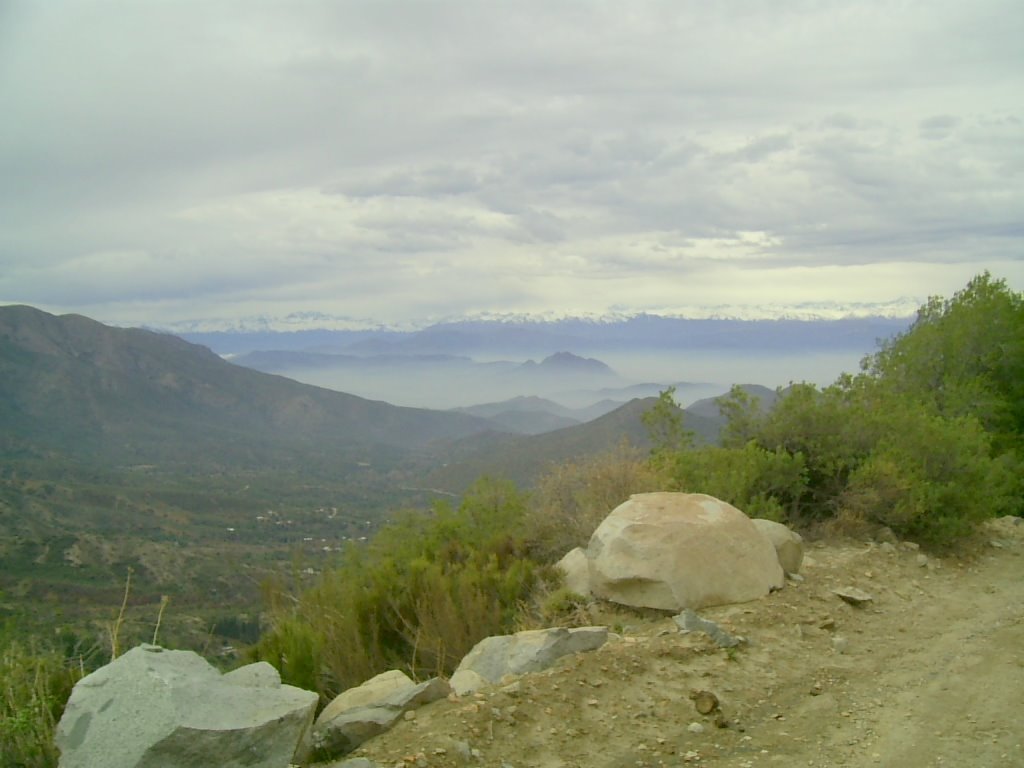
(34, 687)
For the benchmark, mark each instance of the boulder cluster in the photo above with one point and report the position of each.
(153, 707)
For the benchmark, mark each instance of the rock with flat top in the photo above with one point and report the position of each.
(530, 651)
(153, 708)
(680, 550)
(853, 596)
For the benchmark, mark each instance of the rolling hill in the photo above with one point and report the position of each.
(524, 458)
(72, 386)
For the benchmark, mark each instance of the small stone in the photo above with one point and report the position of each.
(705, 702)
(888, 548)
(922, 561)
(695, 728)
(853, 596)
(688, 621)
(410, 715)
(840, 644)
(463, 750)
(827, 623)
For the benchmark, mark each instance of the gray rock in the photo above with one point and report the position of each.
(689, 621)
(152, 708)
(853, 596)
(531, 651)
(374, 690)
(370, 709)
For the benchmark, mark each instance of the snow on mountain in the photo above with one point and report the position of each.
(307, 321)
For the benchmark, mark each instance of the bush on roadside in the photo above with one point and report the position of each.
(425, 590)
(572, 499)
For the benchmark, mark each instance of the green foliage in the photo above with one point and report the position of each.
(930, 477)
(664, 423)
(927, 440)
(35, 684)
(743, 413)
(426, 589)
(964, 356)
(768, 484)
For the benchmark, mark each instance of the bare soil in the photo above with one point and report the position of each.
(929, 673)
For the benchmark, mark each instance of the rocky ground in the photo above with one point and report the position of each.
(930, 672)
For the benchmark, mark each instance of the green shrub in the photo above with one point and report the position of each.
(930, 478)
(425, 590)
(34, 687)
(762, 483)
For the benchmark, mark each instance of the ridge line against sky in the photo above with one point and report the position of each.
(163, 162)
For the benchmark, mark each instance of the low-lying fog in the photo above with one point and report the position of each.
(457, 383)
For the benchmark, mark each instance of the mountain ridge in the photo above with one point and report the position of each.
(901, 307)
(541, 338)
(71, 383)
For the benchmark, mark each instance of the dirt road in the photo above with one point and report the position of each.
(929, 673)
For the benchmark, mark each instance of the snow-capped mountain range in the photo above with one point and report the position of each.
(903, 307)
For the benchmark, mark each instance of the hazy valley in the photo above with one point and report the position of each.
(133, 449)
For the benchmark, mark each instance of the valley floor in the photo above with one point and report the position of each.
(928, 674)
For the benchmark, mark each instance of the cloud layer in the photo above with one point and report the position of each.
(401, 161)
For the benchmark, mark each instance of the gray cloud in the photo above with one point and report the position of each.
(395, 160)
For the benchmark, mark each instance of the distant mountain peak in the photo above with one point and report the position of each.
(567, 362)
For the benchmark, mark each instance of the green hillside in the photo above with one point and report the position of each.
(73, 386)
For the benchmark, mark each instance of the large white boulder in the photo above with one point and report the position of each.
(680, 550)
(152, 708)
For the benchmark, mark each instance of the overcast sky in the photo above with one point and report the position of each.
(405, 161)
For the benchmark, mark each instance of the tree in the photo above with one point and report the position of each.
(664, 423)
(964, 356)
